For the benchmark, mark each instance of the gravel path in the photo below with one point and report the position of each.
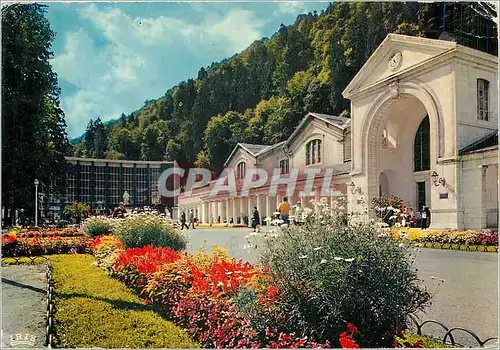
(468, 298)
(23, 303)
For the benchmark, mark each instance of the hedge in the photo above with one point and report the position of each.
(93, 310)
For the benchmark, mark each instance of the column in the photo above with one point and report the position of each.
(216, 211)
(249, 211)
(227, 210)
(241, 209)
(234, 214)
(316, 201)
(203, 212)
(209, 207)
(259, 207)
(484, 193)
(269, 211)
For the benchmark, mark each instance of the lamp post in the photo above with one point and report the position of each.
(36, 202)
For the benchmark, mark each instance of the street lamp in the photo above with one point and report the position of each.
(36, 202)
(437, 180)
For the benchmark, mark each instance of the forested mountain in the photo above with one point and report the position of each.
(259, 95)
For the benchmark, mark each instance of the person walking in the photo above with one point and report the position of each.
(183, 221)
(284, 210)
(256, 220)
(191, 219)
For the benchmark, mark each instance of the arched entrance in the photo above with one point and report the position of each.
(400, 152)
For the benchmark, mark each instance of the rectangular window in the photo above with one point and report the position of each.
(482, 99)
(284, 166)
(421, 201)
(347, 147)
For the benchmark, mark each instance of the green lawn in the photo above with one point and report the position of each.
(93, 310)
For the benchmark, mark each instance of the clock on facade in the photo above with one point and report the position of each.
(395, 60)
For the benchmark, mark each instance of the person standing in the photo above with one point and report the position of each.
(183, 221)
(191, 218)
(120, 211)
(428, 215)
(424, 217)
(284, 210)
(256, 220)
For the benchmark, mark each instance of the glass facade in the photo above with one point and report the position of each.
(101, 184)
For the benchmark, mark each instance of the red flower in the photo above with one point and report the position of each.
(352, 328)
(348, 343)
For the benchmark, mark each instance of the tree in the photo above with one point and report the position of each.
(100, 139)
(88, 139)
(76, 210)
(33, 128)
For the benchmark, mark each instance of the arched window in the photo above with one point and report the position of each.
(483, 87)
(240, 170)
(313, 152)
(421, 146)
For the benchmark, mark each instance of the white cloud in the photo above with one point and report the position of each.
(291, 7)
(134, 63)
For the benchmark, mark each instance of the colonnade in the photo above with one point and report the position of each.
(235, 209)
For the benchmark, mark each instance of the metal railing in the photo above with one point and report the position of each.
(448, 338)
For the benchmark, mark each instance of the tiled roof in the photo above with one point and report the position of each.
(341, 122)
(484, 142)
(255, 149)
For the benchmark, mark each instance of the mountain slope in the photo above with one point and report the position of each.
(259, 95)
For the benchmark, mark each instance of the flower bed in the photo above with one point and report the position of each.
(46, 232)
(451, 237)
(13, 246)
(199, 293)
(94, 311)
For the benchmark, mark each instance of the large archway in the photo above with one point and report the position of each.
(400, 151)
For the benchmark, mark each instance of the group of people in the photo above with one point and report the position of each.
(420, 219)
(284, 213)
(190, 222)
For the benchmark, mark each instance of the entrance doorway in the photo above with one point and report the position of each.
(420, 195)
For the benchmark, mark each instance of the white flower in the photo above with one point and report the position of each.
(341, 208)
(323, 261)
(401, 245)
(318, 248)
(385, 224)
(303, 257)
(247, 246)
(338, 258)
(349, 260)
(433, 278)
(254, 234)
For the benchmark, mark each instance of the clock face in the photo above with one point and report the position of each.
(395, 60)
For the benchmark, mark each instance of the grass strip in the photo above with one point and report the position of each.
(93, 310)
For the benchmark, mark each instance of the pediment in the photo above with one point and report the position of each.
(395, 55)
(314, 129)
(239, 154)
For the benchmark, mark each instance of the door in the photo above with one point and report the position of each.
(420, 195)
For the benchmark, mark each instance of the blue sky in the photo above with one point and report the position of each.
(111, 57)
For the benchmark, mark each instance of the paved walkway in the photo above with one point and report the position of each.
(467, 298)
(24, 303)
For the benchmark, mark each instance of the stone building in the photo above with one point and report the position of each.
(423, 127)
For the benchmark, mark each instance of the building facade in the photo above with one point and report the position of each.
(423, 127)
(102, 184)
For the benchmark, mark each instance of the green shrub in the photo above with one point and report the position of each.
(144, 229)
(97, 226)
(411, 340)
(94, 310)
(329, 274)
